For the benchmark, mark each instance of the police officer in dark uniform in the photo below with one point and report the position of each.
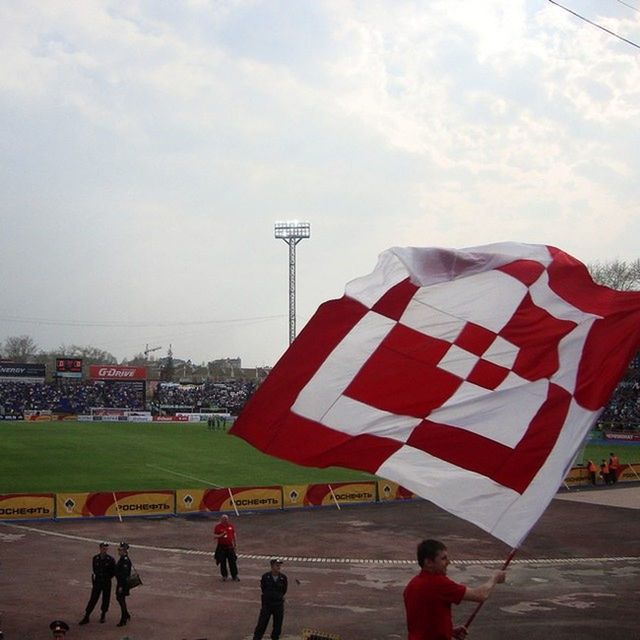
(123, 571)
(274, 587)
(103, 567)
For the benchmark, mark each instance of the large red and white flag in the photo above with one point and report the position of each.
(470, 377)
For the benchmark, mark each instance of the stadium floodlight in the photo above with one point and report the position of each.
(292, 232)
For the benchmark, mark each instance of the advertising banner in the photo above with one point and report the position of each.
(68, 368)
(294, 495)
(341, 492)
(392, 491)
(26, 506)
(171, 418)
(21, 372)
(189, 500)
(628, 436)
(115, 504)
(629, 472)
(577, 476)
(36, 416)
(242, 499)
(139, 418)
(116, 372)
(105, 413)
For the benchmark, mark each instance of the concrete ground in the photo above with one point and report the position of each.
(577, 575)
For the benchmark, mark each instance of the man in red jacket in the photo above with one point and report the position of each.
(224, 532)
(429, 595)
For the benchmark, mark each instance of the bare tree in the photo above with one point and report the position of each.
(20, 348)
(91, 355)
(617, 274)
(168, 370)
(138, 360)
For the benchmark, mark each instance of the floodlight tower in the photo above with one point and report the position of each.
(292, 233)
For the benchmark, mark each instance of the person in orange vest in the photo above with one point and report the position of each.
(604, 471)
(592, 469)
(614, 465)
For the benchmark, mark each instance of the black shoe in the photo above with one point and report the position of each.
(84, 620)
(102, 617)
(236, 579)
(122, 622)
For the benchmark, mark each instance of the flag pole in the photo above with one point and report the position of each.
(479, 606)
(630, 466)
(233, 502)
(113, 493)
(333, 495)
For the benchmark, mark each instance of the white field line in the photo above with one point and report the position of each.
(184, 475)
(321, 560)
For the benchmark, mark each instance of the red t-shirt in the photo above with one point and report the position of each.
(427, 600)
(229, 539)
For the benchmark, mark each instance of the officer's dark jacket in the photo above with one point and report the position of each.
(104, 568)
(273, 588)
(123, 570)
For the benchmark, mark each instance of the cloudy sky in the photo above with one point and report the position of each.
(147, 147)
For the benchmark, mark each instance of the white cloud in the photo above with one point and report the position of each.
(160, 142)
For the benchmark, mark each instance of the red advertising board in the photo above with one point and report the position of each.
(116, 372)
(118, 503)
(236, 499)
(618, 435)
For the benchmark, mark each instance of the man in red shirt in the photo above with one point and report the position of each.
(429, 595)
(225, 533)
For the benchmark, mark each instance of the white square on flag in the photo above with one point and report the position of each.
(470, 377)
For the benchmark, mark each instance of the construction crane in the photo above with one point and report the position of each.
(149, 350)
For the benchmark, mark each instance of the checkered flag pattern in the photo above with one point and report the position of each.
(470, 377)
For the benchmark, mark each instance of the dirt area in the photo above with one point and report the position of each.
(577, 574)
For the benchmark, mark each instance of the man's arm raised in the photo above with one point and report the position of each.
(481, 593)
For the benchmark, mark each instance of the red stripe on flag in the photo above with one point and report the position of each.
(610, 340)
(514, 468)
(537, 333)
(401, 376)
(527, 271)
(267, 422)
(393, 303)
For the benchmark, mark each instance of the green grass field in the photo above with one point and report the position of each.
(73, 456)
(596, 452)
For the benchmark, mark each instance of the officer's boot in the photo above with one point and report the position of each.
(84, 620)
(102, 616)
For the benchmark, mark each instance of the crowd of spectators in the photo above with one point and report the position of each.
(623, 410)
(230, 396)
(69, 397)
(80, 397)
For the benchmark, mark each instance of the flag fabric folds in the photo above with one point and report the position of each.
(470, 377)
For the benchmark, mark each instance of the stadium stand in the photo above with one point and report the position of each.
(80, 397)
(623, 410)
(230, 396)
(77, 397)
(68, 397)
